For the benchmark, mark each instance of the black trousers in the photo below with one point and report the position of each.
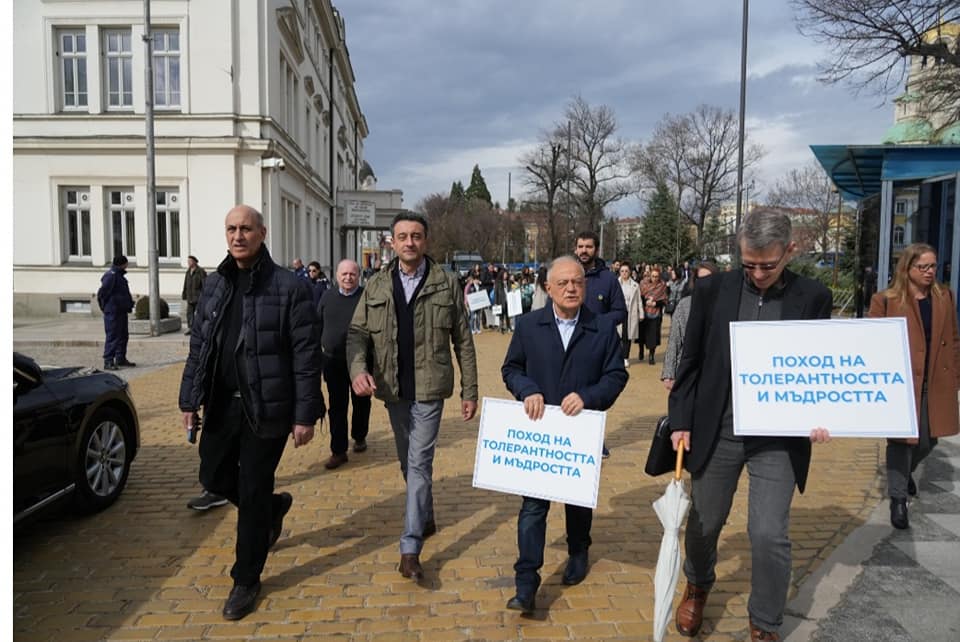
(239, 465)
(339, 395)
(532, 535)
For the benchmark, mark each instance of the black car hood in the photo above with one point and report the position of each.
(54, 374)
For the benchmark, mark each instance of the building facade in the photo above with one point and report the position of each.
(254, 103)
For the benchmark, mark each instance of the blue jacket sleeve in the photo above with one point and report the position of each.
(613, 379)
(514, 368)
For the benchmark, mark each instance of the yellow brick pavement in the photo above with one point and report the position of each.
(149, 568)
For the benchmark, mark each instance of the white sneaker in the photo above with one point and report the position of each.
(626, 363)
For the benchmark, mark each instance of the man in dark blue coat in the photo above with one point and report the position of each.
(604, 295)
(116, 302)
(562, 354)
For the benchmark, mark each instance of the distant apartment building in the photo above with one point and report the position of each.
(628, 229)
(254, 103)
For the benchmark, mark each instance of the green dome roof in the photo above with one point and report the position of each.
(909, 131)
(950, 135)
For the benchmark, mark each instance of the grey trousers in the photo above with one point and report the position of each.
(415, 429)
(902, 458)
(768, 520)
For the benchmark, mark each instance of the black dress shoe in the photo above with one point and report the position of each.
(359, 446)
(911, 487)
(285, 502)
(241, 602)
(430, 528)
(576, 569)
(898, 513)
(110, 365)
(525, 604)
(126, 364)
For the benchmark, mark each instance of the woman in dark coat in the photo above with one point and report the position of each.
(931, 313)
(653, 292)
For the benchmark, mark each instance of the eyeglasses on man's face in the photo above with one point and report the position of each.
(763, 267)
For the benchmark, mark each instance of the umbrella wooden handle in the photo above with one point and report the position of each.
(679, 470)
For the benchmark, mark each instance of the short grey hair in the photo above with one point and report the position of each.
(566, 258)
(765, 227)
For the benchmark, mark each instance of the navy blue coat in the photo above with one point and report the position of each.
(604, 294)
(591, 366)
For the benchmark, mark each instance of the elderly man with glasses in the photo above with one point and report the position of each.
(701, 414)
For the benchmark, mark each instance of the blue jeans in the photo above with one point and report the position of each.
(531, 539)
(768, 520)
(415, 426)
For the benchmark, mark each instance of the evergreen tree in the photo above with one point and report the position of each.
(715, 242)
(478, 187)
(660, 234)
(456, 193)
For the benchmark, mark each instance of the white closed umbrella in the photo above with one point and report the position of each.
(671, 509)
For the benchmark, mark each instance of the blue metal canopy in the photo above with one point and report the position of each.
(858, 171)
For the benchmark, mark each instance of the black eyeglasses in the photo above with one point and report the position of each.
(925, 267)
(763, 267)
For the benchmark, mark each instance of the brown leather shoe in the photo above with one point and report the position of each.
(756, 634)
(410, 566)
(336, 461)
(690, 612)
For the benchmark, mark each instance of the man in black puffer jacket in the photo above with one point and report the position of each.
(254, 367)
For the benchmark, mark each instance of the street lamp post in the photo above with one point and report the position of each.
(836, 245)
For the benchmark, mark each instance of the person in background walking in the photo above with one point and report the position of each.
(319, 283)
(473, 285)
(931, 313)
(500, 291)
(604, 296)
(334, 313)
(654, 294)
(299, 269)
(629, 329)
(678, 325)
(116, 302)
(192, 286)
(540, 296)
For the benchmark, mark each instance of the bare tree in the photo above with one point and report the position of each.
(545, 176)
(871, 43)
(809, 190)
(695, 154)
(600, 170)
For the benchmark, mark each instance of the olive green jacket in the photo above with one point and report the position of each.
(439, 319)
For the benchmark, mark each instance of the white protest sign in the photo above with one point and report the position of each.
(478, 301)
(496, 310)
(852, 377)
(556, 458)
(514, 303)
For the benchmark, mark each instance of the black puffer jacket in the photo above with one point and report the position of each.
(282, 354)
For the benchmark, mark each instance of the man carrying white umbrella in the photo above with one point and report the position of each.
(701, 415)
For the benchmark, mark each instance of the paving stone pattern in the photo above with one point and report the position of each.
(149, 568)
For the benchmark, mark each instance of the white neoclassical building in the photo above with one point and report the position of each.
(254, 102)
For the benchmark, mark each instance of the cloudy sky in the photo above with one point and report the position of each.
(446, 85)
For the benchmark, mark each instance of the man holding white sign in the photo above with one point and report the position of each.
(563, 355)
(701, 413)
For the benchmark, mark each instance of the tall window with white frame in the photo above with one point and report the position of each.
(72, 50)
(76, 222)
(118, 68)
(289, 89)
(166, 68)
(168, 223)
(121, 216)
